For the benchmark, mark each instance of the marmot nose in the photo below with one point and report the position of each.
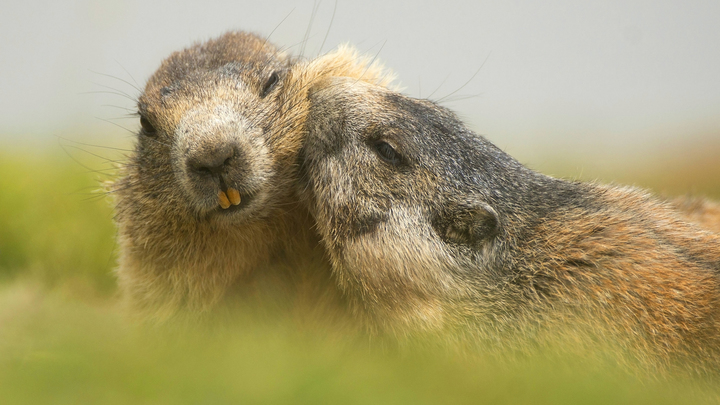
(212, 160)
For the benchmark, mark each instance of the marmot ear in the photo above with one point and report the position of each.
(472, 226)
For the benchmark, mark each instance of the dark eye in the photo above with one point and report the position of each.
(388, 153)
(147, 126)
(270, 83)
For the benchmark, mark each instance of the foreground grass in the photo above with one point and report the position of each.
(58, 350)
(63, 339)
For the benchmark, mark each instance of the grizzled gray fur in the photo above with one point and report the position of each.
(430, 227)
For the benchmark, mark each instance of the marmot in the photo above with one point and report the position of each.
(206, 203)
(430, 227)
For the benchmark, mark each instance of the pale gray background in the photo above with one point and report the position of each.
(565, 75)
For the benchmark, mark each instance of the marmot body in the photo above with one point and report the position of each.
(431, 227)
(206, 203)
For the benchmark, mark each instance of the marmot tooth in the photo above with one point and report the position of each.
(234, 196)
(224, 202)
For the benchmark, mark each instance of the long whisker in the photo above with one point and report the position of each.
(92, 145)
(131, 112)
(309, 28)
(462, 97)
(116, 78)
(109, 92)
(75, 160)
(119, 92)
(267, 39)
(438, 87)
(467, 82)
(137, 86)
(332, 19)
(117, 125)
(372, 61)
(107, 160)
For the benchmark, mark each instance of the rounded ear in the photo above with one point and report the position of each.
(472, 226)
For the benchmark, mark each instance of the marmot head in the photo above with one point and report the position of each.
(221, 125)
(192, 200)
(207, 115)
(405, 200)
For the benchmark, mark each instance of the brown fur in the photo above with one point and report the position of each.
(442, 231)
(178, 248)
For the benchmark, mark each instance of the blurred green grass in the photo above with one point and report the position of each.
(674, 167)
(64, 340)
(55, 226)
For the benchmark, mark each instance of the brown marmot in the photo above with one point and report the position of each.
(430, 227)
(205, 204)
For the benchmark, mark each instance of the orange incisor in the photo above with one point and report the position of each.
(231, 196)
(224, 202)
(234, 196)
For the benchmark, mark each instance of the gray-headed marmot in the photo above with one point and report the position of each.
(431, 227)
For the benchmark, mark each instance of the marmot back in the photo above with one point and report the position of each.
(432, 228)
(205, 204)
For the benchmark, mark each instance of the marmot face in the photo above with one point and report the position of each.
(399, 200)
(207, 116)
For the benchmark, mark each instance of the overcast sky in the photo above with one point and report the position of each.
(554, 72)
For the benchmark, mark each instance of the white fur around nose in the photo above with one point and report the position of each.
(204, 127)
